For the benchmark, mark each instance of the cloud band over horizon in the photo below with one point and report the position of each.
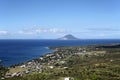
(39, 33)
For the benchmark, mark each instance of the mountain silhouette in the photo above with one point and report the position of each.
(68, 37)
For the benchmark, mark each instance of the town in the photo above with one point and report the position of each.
(66, 62)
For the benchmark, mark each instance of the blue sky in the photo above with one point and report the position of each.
(50, 19)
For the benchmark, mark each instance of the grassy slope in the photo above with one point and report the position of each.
(100, 64)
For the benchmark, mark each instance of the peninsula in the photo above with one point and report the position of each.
(92, 62)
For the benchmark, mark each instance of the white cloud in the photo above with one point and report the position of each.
(106, 29)
(3, 32)
(37, 30)
(25, 32)
(49, 30)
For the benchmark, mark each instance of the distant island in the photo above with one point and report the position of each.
(68, 37)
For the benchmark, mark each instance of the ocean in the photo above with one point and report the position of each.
(18, 51)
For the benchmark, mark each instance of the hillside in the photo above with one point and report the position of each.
(78, 63)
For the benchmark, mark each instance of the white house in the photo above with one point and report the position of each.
(67, 78)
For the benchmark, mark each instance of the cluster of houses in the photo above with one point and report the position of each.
(36, 65)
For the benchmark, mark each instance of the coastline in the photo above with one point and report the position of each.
(10, 54)
(18, 64)
(37, 64)
(13, 56)
(59, 59)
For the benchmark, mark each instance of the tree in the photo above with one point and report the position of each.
(3, 70)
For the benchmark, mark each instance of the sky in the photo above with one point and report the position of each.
(51, 19)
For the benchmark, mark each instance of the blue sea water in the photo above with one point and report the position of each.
(18, 51)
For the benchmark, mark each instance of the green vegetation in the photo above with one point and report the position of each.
(3, 71)
(95, 63)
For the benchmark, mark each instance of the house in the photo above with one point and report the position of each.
(22, 66)
(68, 78)
(14, 74)
(51, 67)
